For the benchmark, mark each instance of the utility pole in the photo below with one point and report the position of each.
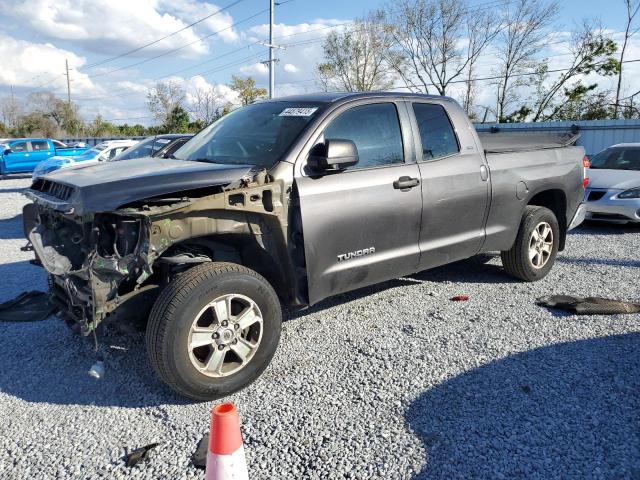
(66, 64)
(272, 67)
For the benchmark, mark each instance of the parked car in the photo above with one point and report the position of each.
(150, 146)
(170, 148)
(287, 202)
(614, 184)
(104, 151)
(23, 154)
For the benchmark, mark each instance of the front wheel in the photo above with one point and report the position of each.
(534, 251)
(213, 330)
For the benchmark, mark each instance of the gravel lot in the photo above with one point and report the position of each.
(394, 381)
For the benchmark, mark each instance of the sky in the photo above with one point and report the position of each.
(93, 36)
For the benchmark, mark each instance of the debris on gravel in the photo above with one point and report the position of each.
(391, 381)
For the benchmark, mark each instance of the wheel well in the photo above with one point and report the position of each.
(556, 201)
(240, 249)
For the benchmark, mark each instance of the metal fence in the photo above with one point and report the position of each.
(595, 135)
(93, 141)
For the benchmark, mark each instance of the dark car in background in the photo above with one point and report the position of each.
(150, 146)
(170, 148)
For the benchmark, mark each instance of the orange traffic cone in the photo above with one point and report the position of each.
(225, 458)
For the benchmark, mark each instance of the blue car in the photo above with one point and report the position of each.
(104, 151)
(23, 154)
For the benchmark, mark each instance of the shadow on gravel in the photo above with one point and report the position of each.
(603, 228)
(564, 411)
(11, 228)
(598, 261)
(472, 270)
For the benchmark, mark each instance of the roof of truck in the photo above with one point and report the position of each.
(331, 97)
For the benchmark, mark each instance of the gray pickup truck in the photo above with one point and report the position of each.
(285, 203)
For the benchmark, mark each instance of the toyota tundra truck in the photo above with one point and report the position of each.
(283, 203)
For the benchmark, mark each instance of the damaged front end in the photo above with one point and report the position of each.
(116, 262)
(92, 264)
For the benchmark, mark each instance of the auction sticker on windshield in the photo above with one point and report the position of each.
(298, 112)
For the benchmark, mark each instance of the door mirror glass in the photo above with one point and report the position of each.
(333, 155)
(7, 151)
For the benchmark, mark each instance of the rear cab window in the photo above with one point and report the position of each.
(375, 130)
(437, 136)
(39, 145)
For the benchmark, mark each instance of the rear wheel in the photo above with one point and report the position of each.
(534, 252)
(213, 330)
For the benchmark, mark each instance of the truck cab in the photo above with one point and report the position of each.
(23, 154)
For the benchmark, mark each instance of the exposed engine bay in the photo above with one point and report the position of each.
(102, 262)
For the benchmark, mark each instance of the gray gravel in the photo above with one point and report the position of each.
(394, 381)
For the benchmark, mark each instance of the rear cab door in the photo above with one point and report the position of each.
(454, 179)
(360, 229)
(41, 150)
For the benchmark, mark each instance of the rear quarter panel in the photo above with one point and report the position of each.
(517, 177)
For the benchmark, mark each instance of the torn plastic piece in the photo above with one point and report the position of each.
(30, 306)
(199, 457)
(139, 455)
(460, 298)
(97, 370)
(589, 305)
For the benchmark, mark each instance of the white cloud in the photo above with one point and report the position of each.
(255, 69)
(35, 64)
(222, 93)
(290, 68)
(113, 26)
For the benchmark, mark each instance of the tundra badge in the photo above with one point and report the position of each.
(357, 253)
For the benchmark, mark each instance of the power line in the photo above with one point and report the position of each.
(146, 45)
(168, 52)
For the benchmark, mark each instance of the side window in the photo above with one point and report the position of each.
(374, 129)
(39, 145)
(436, 133)
(19, 147)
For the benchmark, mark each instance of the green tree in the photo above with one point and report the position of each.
(247, 90)
(177, 121)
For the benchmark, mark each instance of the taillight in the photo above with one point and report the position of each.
(585, 171)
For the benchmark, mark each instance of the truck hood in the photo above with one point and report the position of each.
(614, 179)
(107, 186)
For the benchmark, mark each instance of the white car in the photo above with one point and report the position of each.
(104, 151)
(613, 193)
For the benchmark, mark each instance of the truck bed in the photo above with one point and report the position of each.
(505, 142)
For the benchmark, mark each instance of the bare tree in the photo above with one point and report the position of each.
(482, 29)
(356, 59)
(436, 41)
(164, 98)
(591, 52)
(525, 23)
(10, 110)
(207, 105)
(632, 7)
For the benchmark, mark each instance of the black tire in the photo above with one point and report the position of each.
(178, 306)
(517, 261)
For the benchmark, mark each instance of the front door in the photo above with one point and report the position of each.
(361, 225)
(455, 186)
(19, 158)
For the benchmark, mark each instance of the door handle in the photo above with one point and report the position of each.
(405, 182)
(484, 173)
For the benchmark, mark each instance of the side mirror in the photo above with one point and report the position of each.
(7, 151)
(333, 155)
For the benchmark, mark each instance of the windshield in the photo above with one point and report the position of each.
(258, 134)
(618, 158)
